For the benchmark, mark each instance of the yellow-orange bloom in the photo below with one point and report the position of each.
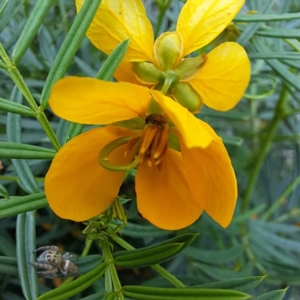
(217, 79)
(182, 166)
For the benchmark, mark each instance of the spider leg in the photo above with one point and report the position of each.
(46, 248)
(67, 255)
(44, 266)
(48, 274)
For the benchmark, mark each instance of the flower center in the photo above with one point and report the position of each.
(152, 144)
(154, 140)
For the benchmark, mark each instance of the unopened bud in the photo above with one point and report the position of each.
(168, 50)
(185, 95)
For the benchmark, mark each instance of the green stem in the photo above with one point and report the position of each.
(159, 269)
(162, 11)
(108, 258)
(259, 159)
(20, 83)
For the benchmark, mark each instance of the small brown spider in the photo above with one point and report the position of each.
(52, 260)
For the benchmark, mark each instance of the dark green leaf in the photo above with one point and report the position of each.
(157, 293)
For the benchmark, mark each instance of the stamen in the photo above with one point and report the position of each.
(162, 142)
(149, 133)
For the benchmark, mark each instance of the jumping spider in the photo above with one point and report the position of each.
(51, 260)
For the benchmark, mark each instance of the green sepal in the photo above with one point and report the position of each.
(155, 254)
(68, 290)
(158, 293)
(137, 123)
(190, 66)
(147, 72)
(185, 95)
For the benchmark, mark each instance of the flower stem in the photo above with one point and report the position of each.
(159, 269)
(108, 258)
(279, 115)
(20, 83)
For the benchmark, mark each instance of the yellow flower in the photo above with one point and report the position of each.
(182, 165)
(217, 79)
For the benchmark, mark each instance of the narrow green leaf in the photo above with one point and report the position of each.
(151, 255)
(158, 293)
(214, 256)
(266, 17)
(69, 47)
(231, 140)
(13, 130)
(112, 62)
(30, 245)
(146, 257)
(21, 254)
(34, 22)
(68, 290)
(96, 296)
(277, 66)
(17, 205)
(274, 295)
(8, 11)
(245, 284)
(8, 265)
(224, 273)
(9, 106)
(142, 231)
(275, 55)
(278, 33)
(17, 150)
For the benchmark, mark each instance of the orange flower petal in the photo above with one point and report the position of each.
(224, 77)
(163, 196)
(77, 186)
(118, 20)
(189, 128)
(200, 21)
(125, 73)
(211, 178)
(93, 101)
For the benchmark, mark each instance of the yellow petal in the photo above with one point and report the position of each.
(224, 77)
(118, 20)
(92, 101)
(189, 128)
(211, 179)
(163, 196)
(76, 186)
(200, 21)
(125, 73)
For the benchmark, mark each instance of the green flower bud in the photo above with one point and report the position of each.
(190, 66)
(185, 95)
(168, 50)
(147, 73)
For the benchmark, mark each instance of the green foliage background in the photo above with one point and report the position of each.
(261, 135)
